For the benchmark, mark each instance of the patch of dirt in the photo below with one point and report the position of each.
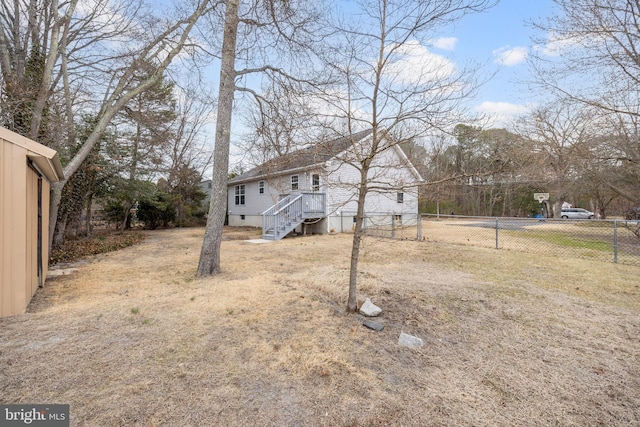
(241, 233)
(132, 338)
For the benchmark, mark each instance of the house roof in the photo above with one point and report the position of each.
(45, 158)
(301, 159)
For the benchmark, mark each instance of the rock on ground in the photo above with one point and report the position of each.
(369, 309)
(407, 340)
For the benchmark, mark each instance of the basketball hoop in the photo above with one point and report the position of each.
(541, 197)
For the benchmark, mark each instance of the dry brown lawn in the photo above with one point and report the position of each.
(131, 338)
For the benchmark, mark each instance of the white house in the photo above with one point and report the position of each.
(314, 189)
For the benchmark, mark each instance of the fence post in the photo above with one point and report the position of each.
(615, 241)
(393, 226)
(497, 227)
(419, 227)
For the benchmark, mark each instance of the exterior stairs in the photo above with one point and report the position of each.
(291, 211)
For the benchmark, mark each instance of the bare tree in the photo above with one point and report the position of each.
(29, 47)
(559, 134)
(391, 84)
(210, 254)
(614, 159)
(188, 145)
(76, 49)
(274, 36)
(589, 52)
(280, 124)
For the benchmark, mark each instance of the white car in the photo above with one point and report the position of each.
(576, 213)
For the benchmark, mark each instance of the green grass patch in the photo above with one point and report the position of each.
(566, 241)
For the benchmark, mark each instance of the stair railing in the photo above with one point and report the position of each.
(268, 216)
(288, 213)
(282, 217)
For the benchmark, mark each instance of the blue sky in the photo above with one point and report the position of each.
(500, 39)
(497, 42)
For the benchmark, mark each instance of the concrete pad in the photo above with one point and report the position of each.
(258, 241)
(61, 272)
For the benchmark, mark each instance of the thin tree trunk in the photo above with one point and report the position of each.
(54, 207)
(126, 222)
(61, 226)
(209, 263)
(88, 227)
(352, 302)
(358, 234)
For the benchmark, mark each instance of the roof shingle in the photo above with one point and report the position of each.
(316, 154)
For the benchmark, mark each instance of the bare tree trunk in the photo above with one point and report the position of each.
(352, 302)
(130, 201)
(126, 222)
(209, 263)
(52, 56)
(54, 207)
(88, 226)
(548, 209)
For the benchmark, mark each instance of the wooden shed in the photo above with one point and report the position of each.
(27, 170)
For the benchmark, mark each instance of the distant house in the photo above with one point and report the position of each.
(314, 189)
(26, 171)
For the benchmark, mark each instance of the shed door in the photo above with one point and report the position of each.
(39, 256)
(35, 268)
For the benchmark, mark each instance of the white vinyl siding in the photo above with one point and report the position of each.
(256, 203)
(388, 167)
(338, 180)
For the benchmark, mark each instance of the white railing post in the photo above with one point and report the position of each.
(615, 241)
(293, 209)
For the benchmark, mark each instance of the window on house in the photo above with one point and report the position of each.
(294, 182)
(400, 197)
(398, 218)
(315, 182)
(261, 187)
(239, 194)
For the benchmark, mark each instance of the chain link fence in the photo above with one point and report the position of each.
(605, 240)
